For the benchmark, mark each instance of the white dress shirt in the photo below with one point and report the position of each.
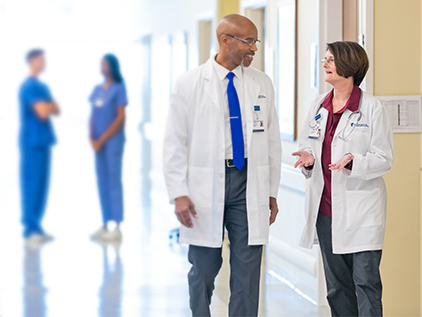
(239, 85)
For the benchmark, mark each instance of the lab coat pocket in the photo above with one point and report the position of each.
(363, 208)
(200, 183)
(263, 185)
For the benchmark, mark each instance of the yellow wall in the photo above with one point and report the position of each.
(226, 7)
(397, 64)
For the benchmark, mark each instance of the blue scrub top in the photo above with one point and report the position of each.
(34, 131)
(104, 104)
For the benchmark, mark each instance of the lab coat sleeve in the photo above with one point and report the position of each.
(274, 146)
(304, 144)
(175, 149)
(379, 158)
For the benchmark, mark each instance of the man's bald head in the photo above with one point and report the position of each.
(237, 36)
(235, 24)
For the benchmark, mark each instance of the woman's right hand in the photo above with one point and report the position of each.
(305, 159)
(96, 145)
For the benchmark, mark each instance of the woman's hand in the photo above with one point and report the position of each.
(305, 159)
(346, 159)
(97, 144)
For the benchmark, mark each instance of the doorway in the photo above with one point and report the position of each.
(257, 16)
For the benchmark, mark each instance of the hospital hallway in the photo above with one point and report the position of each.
(156, 42)
(72, 276)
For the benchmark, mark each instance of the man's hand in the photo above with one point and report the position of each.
(305, 159)
(45, 109)
(346, 159)
(54, 108)
(97, 144)
(274, 209)
(184, 208)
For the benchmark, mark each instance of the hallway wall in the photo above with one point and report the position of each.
(397, 35)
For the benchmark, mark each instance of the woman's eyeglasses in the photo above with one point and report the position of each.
(328, 60)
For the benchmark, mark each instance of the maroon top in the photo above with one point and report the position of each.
(332, 123)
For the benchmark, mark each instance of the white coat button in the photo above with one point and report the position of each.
(221, 200)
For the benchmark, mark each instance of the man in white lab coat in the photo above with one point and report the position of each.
(222, 158)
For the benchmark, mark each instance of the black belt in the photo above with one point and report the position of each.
(229, 163)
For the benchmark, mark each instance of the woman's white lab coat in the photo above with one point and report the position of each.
(359, 197)
(194, 153)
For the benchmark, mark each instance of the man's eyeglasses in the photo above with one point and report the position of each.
(249, 42)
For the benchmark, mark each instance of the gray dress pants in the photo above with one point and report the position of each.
(353, 280)
(245, 260)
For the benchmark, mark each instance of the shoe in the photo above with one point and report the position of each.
(34, 241)
(115, 235)
(47, 237)
(99, 233)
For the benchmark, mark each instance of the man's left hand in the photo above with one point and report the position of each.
(274, 209)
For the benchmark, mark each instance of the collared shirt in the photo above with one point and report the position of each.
(104, 104)
(239, 85)
(332, 123)
(34, 131)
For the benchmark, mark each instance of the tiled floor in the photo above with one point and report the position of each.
(73, 276)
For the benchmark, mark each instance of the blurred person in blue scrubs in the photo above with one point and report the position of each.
(108, 102)
(35, 141)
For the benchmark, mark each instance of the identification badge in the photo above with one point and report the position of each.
(258, 122)
(99, 102)
(314, 133)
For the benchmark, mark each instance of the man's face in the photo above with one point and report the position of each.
(240, 52)
(37, 63)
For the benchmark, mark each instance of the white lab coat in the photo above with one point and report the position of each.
(359, 197)
(194, 153)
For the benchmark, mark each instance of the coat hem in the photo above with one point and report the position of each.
(200, 243)
(375, 247)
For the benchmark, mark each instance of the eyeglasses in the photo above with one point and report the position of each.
(249, 42)
(329, 60)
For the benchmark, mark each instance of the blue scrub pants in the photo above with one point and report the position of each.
(109, 178)
(34, 179)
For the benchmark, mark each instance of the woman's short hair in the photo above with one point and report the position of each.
(350, 59)
(113, 64)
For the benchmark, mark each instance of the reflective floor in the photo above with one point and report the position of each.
(73, 276)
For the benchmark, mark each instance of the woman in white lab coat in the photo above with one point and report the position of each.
(346, 146)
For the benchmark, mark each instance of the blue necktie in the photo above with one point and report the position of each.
(235, 124)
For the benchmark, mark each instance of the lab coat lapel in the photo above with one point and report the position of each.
(211, 87)
(323, 126)
(252, 89)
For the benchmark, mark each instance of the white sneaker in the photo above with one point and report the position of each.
(35, 238)
(47, 237)
(115, 235)
(34, 241)
(99, 233)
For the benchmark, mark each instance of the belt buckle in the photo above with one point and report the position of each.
(228, 164)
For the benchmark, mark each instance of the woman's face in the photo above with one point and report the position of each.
(105, 69)
(329, 65)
